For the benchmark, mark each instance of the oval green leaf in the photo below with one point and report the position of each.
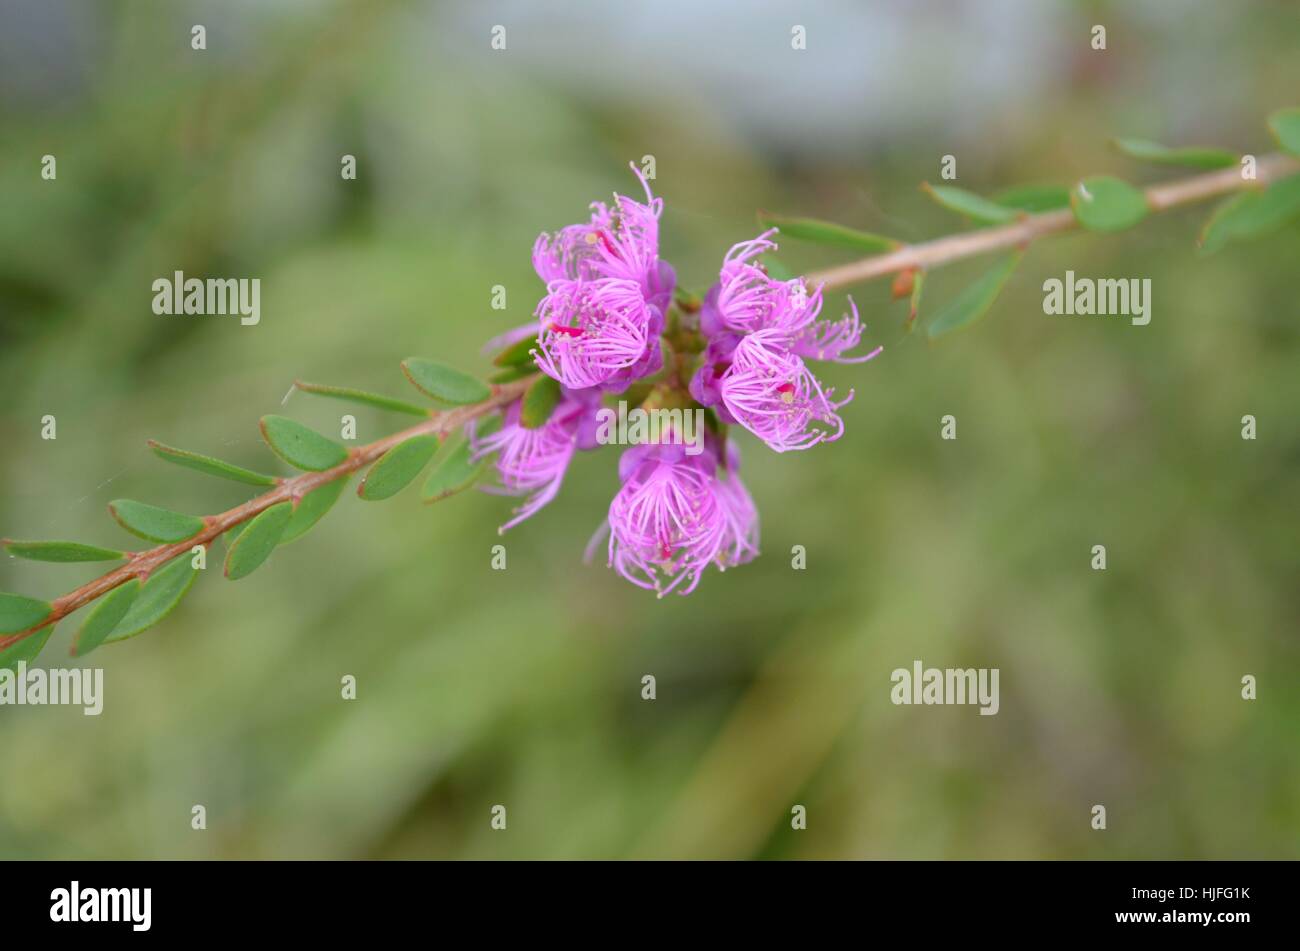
(18, 612)
(776, 269)
(540, 400)
(158, 596)
(153, 523)
(233, 533)
(518, 354)
(106, 616)
(312, 508)
(969, 204)
(1103, 203)
(453, 474)
(255, 544)
(361, 396)
(444, 383)
(396, 468)
(61, 551)
(1189, 157)
(973, 303)
(1035, 198)
(510, 374)
(301, 447)
(26, 650)
(1285, 126)
(1252, 214)
(209, 465)
(827, 232)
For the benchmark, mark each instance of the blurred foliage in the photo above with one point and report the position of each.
(522, 687)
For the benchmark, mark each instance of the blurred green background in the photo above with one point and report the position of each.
(522, 687)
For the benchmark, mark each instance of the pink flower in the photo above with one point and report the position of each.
(607, 293)
(675, 515)
(535, 460)
(740, 540)
(828, 339)
(601, 333)
(620, 242)
(770, 391)
(748, 300)
(667, 523)
(759, 331)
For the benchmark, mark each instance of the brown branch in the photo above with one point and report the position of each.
(141, 564)
(930, 254)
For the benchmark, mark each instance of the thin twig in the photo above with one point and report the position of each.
(141, 564)
(930, 254)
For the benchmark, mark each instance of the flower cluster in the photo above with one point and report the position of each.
(741, 354)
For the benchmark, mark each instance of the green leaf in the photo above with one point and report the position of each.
(1190, 157)
(215, 467)
(395, 469)
(158, 596)
(106, 616)
(1285, 126)
(232, 534)
(1035, 198)
(776, 268)
(25, 650)
(518, 354)
(443, 383)
(973, 303)
(510, 374)
(18, 613)
(301, 447)
(361, 396)
(453, 474)
(312, 508)
(1103, 203)
(1252, 214)
(827, 232)
(61, 551)
(969, 204)
(153, 523)
(255, 544)
(540, 400)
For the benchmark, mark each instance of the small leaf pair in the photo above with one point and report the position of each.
(134, 607)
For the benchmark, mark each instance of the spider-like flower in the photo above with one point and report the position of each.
(607, 292)
(598, 333)
(535, 460)
(748, 299)
(770, 391)
(599, 330)
(829, 339)
(740, 540)
(675, 515)
(759, 331)
(619, 242)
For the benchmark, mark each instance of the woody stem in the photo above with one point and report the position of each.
(940, 251)
(143, 563)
